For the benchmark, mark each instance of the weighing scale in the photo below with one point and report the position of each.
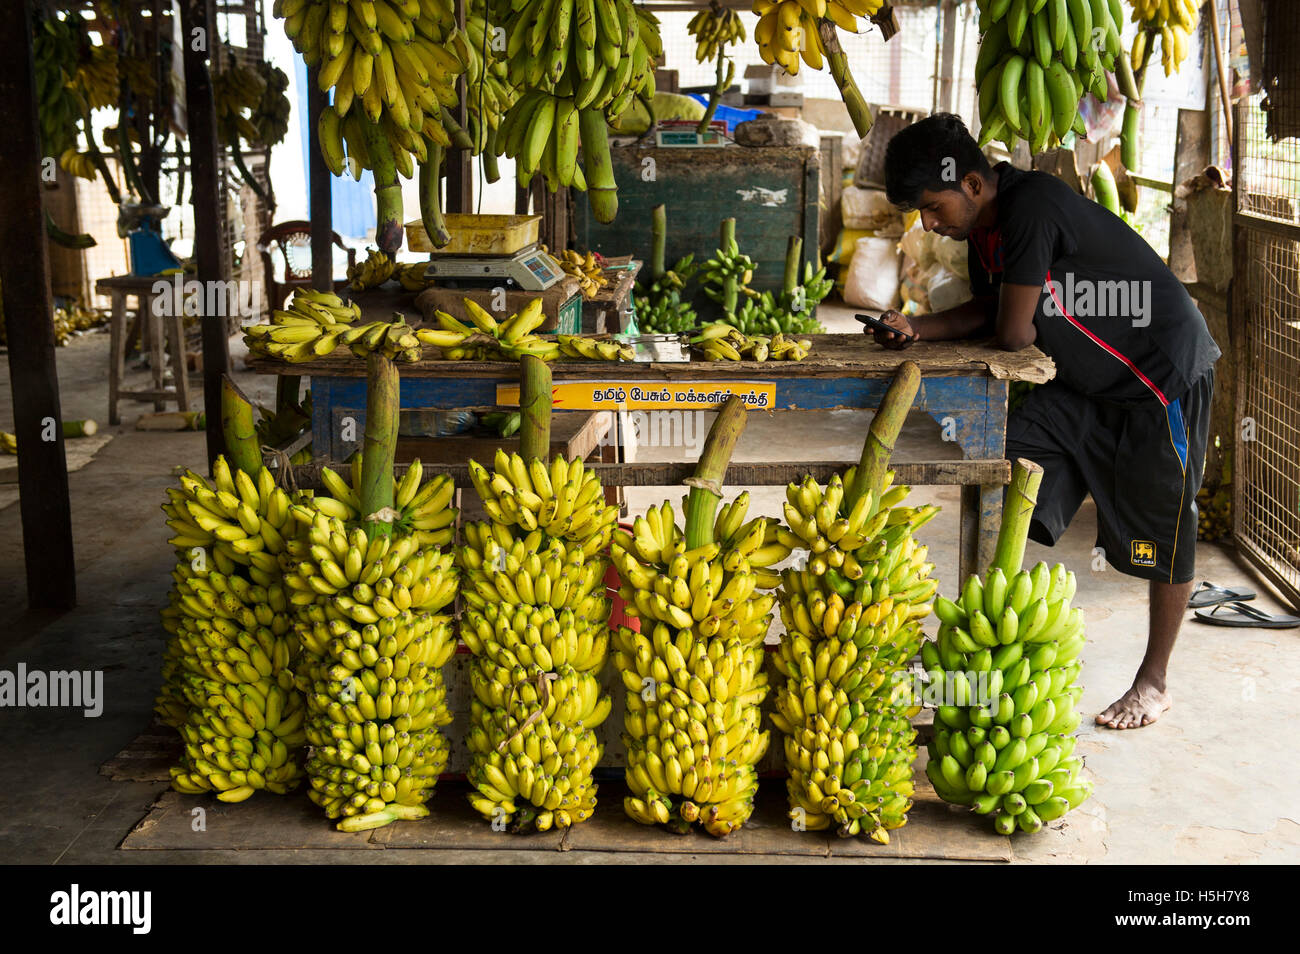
(658, 348)
(530, 269)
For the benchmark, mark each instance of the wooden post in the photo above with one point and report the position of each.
(534, 408)
(25, 287)
(948, 12)
(198, 36)
(319, 208)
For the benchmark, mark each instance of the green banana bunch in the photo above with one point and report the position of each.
(1036, 60)
(236, 91)
(581, 63)
(714, 29)
(505, 423)
(1019, 640)
(765, 315)
(313, 325)
(393, 66)
(373, 271)
(227, 684)
(489, 338)
(270, 116)
(488, 91)
(373, 646)
(536, 621)
(853, 619)
(727, 275)
(659, 308)
(694, 673)
(719, 341)
(56, 46)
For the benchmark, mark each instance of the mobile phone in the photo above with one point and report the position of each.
(881, 326)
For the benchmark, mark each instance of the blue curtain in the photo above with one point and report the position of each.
(352, 203)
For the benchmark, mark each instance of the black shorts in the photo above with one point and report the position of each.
(1143, 467)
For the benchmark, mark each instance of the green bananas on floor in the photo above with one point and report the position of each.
(580, 64)
(489, 338)
(1173, 22)
(1037, 58)
(719, 341)
(694, 670)
(853, 619)
(313, 325)
(536, 620)
(659, 307)
(713, 29)
(374, 644)
(227, 683)
(1006, 660)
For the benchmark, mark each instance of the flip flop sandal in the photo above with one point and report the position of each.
(1207, 594)
(1241, 614)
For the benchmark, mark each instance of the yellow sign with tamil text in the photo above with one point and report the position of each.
(649, 396)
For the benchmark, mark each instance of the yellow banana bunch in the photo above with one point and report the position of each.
(589, 272)
(852, 614)
(372, 272)
(227, 683)
(8, 443)
(1036, 61)
(714, 29)
(595, 348)
(374, 644)
(490, 338)
(236, 92)
(694, 672)
(719, 341)
(97, 76)
(536, 622)
(314, 324)
(78, 163)
(1173, 22)
(411, 276)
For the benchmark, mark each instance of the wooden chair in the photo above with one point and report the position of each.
(294, 241)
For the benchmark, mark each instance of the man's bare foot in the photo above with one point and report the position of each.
(1142, 705)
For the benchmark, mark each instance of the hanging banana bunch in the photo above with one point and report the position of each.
(392, 65)
(238, 92)
(792, 30)
(1172, 22)
(1037, 59)
(580, 64)
(271, 115)
(536, 621)
(488, 93)
(713, 30)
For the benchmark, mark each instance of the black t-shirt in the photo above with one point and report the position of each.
(1118, 323)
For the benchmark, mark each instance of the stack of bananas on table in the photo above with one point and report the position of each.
(227, 686)
(853, 619)
(659, 308)
(581, 63)
(594, 348)
(1014, 645)
(374, 645)
(694, 670)
(490, 338)
(312, 325)
(713, 29)
(536, 621)
(587, 269)
(1173, 21)
(1036, 60)
(719, 341)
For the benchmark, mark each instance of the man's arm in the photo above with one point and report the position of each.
(970, 319)
(1017, 305)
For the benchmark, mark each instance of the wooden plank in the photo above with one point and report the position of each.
(672, 473)
(205, 170)
(33, 375)
(837, 356)
(267, 822)
(573, 434)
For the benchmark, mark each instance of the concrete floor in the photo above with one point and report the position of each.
(1213, 781)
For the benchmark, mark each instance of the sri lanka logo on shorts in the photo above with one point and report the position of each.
(1143, 553)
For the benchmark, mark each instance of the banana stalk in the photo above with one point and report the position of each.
(658, 239)
(730, 285)
(535, 406)
(388, 190)
(793, 252)
(884, 430)
(702, 502)
(380, 447)
(723, 81)
(237, 427)
(856, 104)
(430, 198)
(597, 166)
(1017, 511)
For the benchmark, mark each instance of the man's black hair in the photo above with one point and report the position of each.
(935, 154)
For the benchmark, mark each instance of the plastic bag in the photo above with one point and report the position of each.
(873, 274)
(869, 209)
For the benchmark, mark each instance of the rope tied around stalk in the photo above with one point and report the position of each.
(704, 483)
(543, 682)
(383, 515)
(285, 477)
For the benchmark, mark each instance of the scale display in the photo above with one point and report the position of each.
(531, 269)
